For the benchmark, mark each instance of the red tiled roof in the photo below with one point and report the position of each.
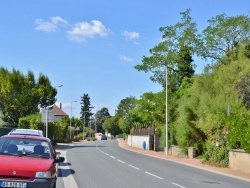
(58, 111)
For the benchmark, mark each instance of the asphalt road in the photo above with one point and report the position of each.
(105, 164)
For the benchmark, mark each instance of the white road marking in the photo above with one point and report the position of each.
(139, 169)
(68, 178)
(178, 185)
(120, 161)
(154, 175)
(134, 167)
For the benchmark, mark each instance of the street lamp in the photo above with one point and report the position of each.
(70, 118)
(46, 113)
(166, 110)
(166, 113)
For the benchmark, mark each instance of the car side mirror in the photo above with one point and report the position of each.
(59, 160)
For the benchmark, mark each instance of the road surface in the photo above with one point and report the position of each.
(104, 164)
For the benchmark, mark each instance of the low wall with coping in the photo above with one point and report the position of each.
(239, 160)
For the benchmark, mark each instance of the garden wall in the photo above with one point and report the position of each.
(239, 160)
(137, 141)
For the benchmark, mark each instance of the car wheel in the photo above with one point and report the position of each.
(54, 186)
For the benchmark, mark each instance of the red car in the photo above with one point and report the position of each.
(27, 161)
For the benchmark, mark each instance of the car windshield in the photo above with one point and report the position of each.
(24, 147)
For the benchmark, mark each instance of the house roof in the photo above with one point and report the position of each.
(58, 111)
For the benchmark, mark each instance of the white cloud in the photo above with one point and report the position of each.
(58, 20)
(131, 35)
(45, 26)
(51, 25)
(125, 58)
(83, 30)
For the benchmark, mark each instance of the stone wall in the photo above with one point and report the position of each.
(239, 160)
(176, 151)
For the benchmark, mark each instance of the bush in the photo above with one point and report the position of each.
(239, 131)
(216, 155)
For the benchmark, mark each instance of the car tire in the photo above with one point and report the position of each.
(54, 186)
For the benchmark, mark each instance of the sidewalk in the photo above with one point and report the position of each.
(197, 163)
(186, 161)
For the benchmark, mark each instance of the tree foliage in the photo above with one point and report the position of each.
(198, 104)
(175, 50)
(21, 95)
(128, 123)
(204, 120)
(111, 125)
(222, 35)
(125, 106)
(123, 113)
(150, 109)
(100, 117)
(61, 129)
(86, 109)
(46, 92)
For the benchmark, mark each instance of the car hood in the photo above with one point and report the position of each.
(15, 166)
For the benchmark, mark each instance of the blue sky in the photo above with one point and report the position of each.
(92, 46)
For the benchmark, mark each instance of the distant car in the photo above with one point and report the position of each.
(103, 137)
(32, 132)
(27, 161)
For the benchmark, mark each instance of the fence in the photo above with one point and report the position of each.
(144, 131)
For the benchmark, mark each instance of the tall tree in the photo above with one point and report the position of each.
(184, 63)
(100, 117)
(46, 92)
(125, 106)
(20, 94)
(110, 125)
(172, 59)
(178, 44)
(222, 35)
(86, 109)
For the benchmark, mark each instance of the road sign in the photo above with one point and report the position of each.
(50, 115)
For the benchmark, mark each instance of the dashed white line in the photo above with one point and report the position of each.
(139, 169)
(178, 185)
(120, 161)
(134, 167)
(154, 175)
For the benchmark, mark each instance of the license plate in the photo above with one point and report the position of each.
(13, 184)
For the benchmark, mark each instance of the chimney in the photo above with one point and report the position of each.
(60, 105)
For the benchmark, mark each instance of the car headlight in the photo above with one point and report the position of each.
(43, 174)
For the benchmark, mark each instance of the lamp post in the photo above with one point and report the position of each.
(166, 90)
(166, 110)
(70, 118)
(45, 112)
